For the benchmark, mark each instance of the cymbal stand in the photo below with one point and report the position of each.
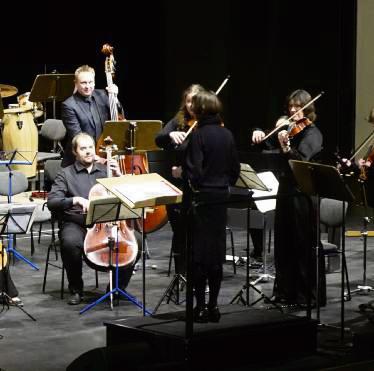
(364, 288)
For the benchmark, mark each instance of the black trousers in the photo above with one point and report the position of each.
(6, 283)
(72, 238)
(177, 219)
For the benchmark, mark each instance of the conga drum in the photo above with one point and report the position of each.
(20, 133)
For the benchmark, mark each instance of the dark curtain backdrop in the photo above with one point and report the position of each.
(268, 47)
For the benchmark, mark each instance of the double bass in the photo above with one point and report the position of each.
(156, 217)
(97, 250)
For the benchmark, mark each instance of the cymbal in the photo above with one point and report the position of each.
(7, 90)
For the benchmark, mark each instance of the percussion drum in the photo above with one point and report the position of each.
(35, 107)
(20, 133)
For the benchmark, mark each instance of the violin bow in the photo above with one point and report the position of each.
(224, 82)
(287, 121)
(362, 145)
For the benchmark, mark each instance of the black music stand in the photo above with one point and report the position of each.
(14, 219)
(53, 88)
(110, 210)
(358, 188)
(133, 135)
(324, 181)
(8, 159)
(242, 195)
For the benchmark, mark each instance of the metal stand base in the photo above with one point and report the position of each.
(7, 299)
(172, 293)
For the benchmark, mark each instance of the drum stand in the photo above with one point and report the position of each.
(364, 289)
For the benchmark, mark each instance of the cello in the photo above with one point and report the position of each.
(97, 249)
(156, 217)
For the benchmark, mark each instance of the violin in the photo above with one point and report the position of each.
(96, 247)
(299, 126)
(288, 122)
(364, 169)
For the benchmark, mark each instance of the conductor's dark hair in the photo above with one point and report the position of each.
(206, 103)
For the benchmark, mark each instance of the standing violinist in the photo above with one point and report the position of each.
(86, 110)
(295, 220)
(172, 138)
(69, 198)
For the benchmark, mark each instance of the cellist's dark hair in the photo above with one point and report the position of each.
(206, 103)
(301, 98)
(74, 142)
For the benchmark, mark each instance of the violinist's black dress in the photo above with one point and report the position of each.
(295, 228)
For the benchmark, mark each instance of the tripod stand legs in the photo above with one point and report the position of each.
(174, 288)
(7, 299)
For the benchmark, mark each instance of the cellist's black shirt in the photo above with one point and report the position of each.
(73, 181)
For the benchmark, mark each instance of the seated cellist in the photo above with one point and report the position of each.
(69, 197)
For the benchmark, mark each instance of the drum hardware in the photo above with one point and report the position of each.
(7, 90)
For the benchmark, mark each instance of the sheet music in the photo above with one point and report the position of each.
(146, 191)
(271, 182)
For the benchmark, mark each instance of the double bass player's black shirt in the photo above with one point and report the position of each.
(73, 181)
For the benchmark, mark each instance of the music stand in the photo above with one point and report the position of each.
(324, 181)
(110, 209)
(142, 191)
(243, 195)
(133, 135)
(52, 88)
(8, 159)
(14, 219)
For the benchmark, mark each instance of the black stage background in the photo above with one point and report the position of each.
(268, 47)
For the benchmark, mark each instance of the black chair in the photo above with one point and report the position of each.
(331, 218)
(52, 167)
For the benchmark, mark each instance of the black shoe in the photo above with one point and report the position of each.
(200, 315)
(74, 299)
(214, 314)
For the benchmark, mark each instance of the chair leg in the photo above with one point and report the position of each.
(46, 268)
(344, 266)
(232, 248)
(62, 281)
(170, 260)
(32, 241)
(40, 232)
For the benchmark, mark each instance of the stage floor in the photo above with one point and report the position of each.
(60, 334)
